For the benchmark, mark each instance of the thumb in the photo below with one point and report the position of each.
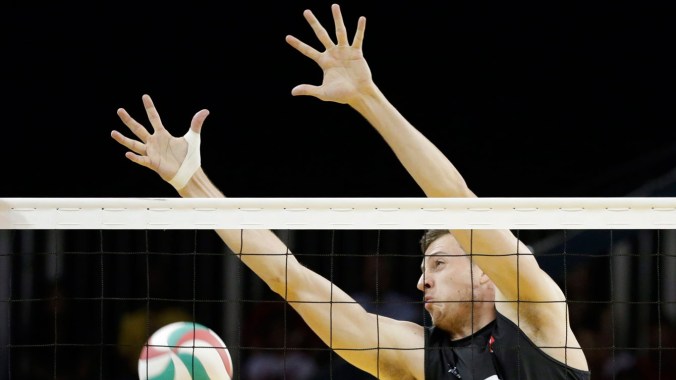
(192, 160)
(198, 120)
(306, 90)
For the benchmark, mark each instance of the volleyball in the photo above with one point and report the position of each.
(185, 351)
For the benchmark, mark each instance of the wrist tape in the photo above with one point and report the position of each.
(191, 162)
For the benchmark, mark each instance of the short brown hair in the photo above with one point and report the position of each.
(430, 236)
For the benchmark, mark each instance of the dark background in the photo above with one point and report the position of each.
(526, 98)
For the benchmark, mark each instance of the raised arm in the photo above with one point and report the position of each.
(348, 80)
(333, 315)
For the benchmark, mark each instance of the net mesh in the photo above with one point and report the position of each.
(86, 281)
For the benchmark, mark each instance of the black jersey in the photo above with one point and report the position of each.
(499, 351)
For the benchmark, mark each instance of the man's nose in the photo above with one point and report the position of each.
(423, 283)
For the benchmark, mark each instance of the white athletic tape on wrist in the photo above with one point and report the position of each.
(191, 163)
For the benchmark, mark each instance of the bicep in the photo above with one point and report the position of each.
(510, 264)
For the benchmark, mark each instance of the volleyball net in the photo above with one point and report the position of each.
(85, 281)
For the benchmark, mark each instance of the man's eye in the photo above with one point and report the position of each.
(438, 262)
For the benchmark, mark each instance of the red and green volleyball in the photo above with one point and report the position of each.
(185, 351)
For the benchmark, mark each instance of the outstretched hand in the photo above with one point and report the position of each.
(159, 151)
(346, 73)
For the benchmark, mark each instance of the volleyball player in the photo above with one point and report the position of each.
(495, 313)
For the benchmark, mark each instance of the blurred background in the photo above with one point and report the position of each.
(527, 99)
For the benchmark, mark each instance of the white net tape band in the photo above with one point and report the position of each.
(338, 213)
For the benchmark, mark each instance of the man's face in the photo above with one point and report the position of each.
(447, 279)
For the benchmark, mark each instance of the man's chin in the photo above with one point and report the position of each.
(432, 310)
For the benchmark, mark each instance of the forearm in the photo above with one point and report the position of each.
(260, 250)
(428, 166)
